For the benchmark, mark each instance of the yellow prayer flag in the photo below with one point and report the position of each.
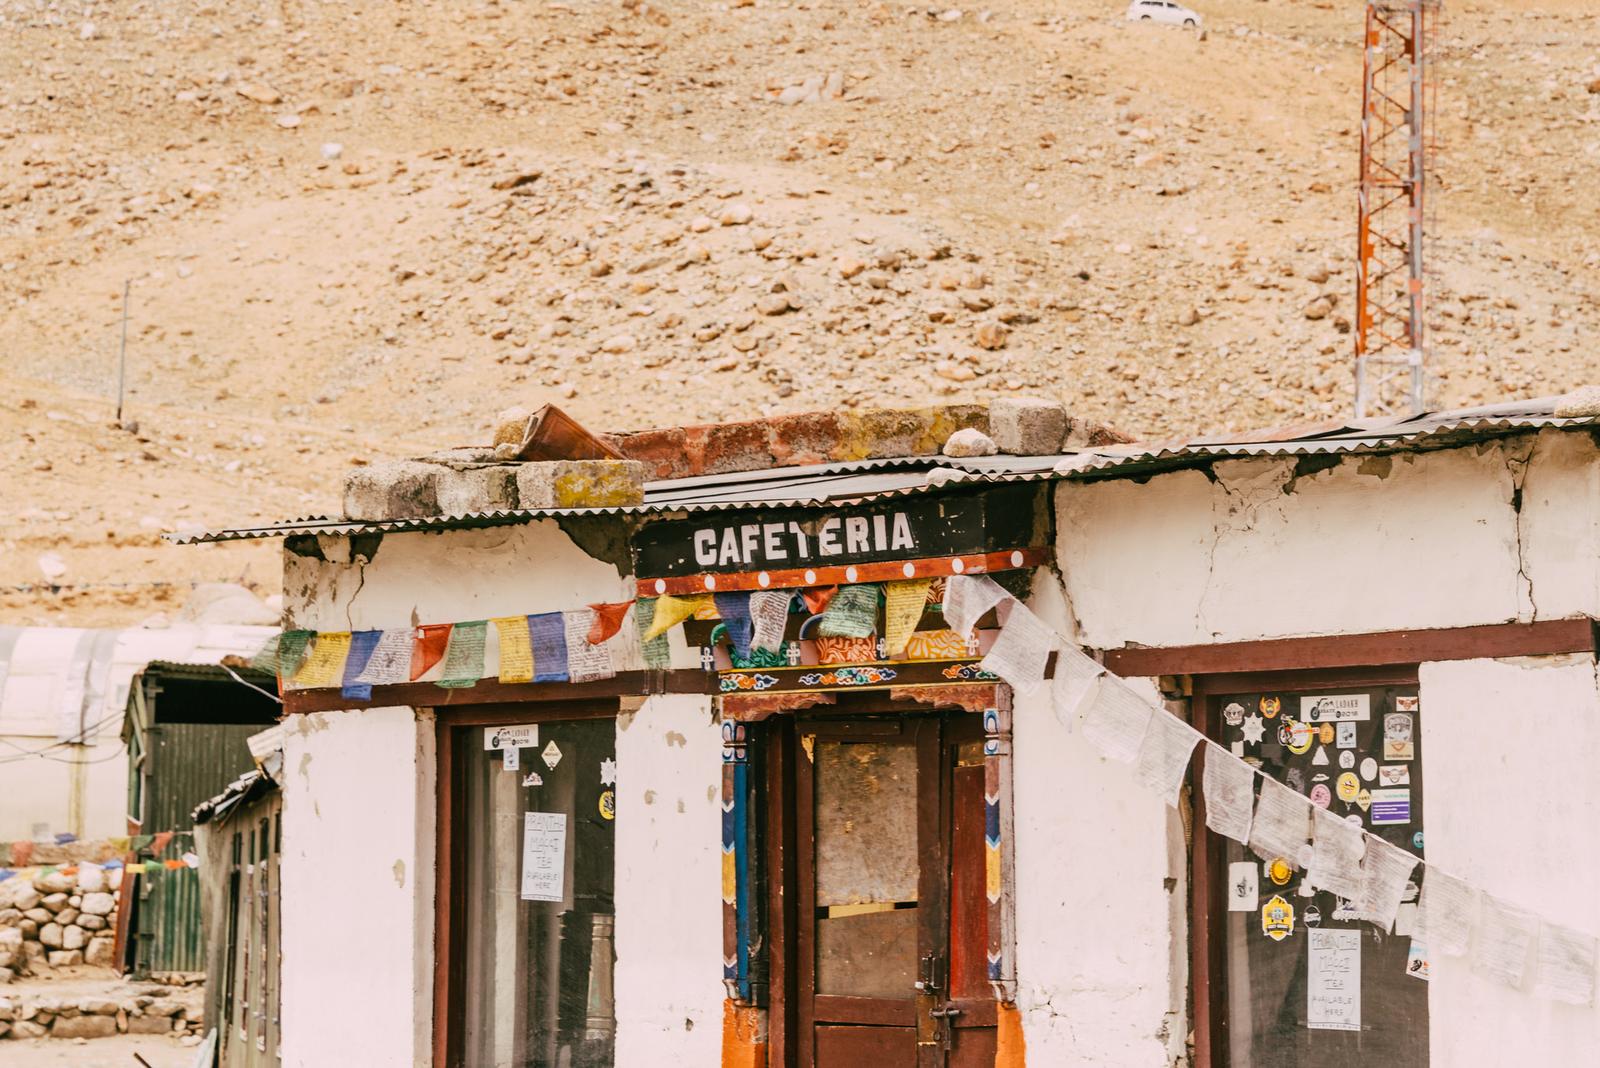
(516, 650)
(325, 666)
(670, 611)
(904, 601)
(133, 869)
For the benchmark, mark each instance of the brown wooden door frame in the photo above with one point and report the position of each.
(937, 736)
(450, 849)
(1208, 986)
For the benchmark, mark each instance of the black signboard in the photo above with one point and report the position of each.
(908, 528)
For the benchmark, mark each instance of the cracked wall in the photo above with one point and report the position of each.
(1487, 533)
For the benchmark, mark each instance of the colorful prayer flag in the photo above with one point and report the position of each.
(325, 666)
(734, 608)
(390, 662)
(585, 662)
(607, 621)
(549, 633)
(362, 644)
(463, 656)
(853, 613)
(656, 649)
(516, 651)
(817, 598)
(904, 601)
(670, 611)
(432, 640)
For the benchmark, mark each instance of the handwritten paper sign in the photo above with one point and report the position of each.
(544, 855)
(1333, 980)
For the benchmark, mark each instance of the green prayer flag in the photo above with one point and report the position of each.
(657, 650)
(853, 613)
(463, 656)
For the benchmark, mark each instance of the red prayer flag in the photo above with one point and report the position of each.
(21, 853)
(429, 648)
(817, 597)
(173, 865)
(159, 843)
(607, 621)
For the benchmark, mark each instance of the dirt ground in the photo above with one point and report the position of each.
(359, 232)
(117, 1052)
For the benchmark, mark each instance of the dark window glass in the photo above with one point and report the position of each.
(537, 893)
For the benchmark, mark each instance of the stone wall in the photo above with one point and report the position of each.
(58, 919)
(132, 1009)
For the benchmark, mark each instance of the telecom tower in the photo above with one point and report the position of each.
(1394, 147)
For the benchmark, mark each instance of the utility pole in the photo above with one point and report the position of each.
(1390, 299)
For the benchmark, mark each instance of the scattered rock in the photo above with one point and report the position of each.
(991, 336)
(970, 441)
(1318, 309)
(261, 94)
(736, 214)
(1189, 316)
(954, 372)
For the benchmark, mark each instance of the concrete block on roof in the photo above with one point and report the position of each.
(477, 489)
(1028, 426)
(400, 489)
(580, 483)
(880, 433)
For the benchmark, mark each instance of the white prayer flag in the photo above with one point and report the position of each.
(585, 662)
(1505, 938)
(1022, 652)
(1336, 851)
(967, 598)
(1164, 754)
(390, 662)
(1117, 720)
(1076, 682)
(1384, 873)
(1564, 965)
(1282, 823)
(1230, 788)
(769, 615)
(1449, 912)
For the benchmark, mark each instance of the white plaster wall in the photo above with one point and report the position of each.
(357, 881)
(669, 884)
(1512, 804)
(1100, 895)
(1377, 543)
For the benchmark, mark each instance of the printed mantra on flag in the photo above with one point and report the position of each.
(838, 536)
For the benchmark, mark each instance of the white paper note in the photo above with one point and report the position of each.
(1076, 682)
(1164, 755)
(967, 598)
(585, 662)
(1282, 823)
(390, 662)
(1505, 938)
(1022, 651)
(1230, 788)
(544, 855)
(769, 615)
(1336, 851)
(1117, 720)
(1333, 980)
(1244, 886)
(1449, 912)
(1564, 965)
(1384, 873)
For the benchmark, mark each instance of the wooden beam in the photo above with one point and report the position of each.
(492, 691)
(1543, 638)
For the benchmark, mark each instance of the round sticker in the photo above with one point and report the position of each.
(1312, 915)
(1354, 819)
(1347, 759)
(1369, 768)
(1279, 871)
(608, 805)
(1300, 736)
(1320, 795)
(1326, 733)
(1349, 786)
(1416, 840)
(1270, 706)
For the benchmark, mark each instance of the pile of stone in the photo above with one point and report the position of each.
(141, 1010)
(58, 920)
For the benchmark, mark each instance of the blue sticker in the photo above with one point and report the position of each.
(1416, 840)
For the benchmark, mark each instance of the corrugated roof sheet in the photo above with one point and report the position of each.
(906, 476)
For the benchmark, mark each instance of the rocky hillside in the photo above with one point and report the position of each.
(353, 231)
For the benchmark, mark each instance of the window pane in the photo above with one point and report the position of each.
(867, 868)
(1323, 990)
(538, 973)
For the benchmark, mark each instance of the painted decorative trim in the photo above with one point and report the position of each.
(830, 677)
(734, 682)
(881, 571)
(969, 673)
(999, 852)
(735, 863)
(849, 676)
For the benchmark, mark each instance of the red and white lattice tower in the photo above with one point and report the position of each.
(1394, 149)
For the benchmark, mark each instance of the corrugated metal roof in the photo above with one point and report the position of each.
(906, 476)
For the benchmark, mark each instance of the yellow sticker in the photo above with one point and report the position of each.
(1277, 919)
(608, 805)
(1279, 871)
(1364, 799)
(1349, 786)
(1300, 736)
(1327, 733)
(1270, 706)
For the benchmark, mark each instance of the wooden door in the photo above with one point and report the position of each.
(892, 921)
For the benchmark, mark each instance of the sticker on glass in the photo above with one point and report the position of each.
(1336, 708)
(1296, 736)
(521, 736)
(1270, 706)
(1397, 740)
(1369, 769)
(1233, 715)
(1311, 915)
(1279, 871)
(1333, 981)
(1417, 960)
(1254, 728)
(1391, 807)
(1349, 786)
(1277, 918)
(1347, 759)
(551, 755)
(608, 805)
(608, 772)
(1364, 799)
(1320, 757)
(533, 778)
(1394, 775)
(544, 856)
(1244, 892)
(510, 758)
(1325, 734)
(1405, 704)
(1321, 796)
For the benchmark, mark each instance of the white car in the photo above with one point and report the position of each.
(1163, 11)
